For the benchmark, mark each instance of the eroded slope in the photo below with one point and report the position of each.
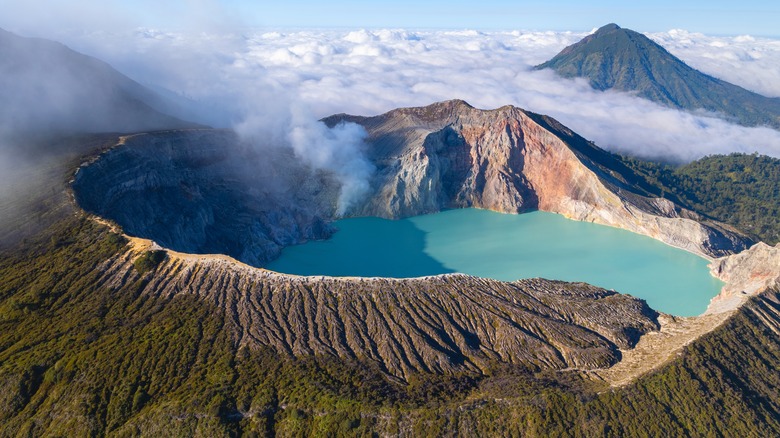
(445, 324)
(85, 355)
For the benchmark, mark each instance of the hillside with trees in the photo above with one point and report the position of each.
(739, 189)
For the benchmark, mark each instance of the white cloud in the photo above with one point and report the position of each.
(368, 72)
(339, 150)
(747, 61)
(63, 18)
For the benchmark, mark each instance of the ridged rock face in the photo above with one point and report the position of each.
(206, 191)
(451, 155)
(444, 324)
(766, 307)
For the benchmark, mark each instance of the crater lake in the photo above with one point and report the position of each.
(509, 247)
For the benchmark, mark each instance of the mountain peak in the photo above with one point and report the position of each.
(452, 104)
(607, 28)
(622, 59)
(437, 112)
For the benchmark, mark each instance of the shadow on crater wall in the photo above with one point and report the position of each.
(207, 192)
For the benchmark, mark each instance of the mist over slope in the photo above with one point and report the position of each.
(47, 87)
(50, 98)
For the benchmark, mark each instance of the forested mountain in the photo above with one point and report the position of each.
(621, 59)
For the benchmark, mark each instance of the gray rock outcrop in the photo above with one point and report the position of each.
(746, 274)
(206, 191)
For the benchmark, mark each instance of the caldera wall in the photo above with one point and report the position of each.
(207, 191)
(447, 324)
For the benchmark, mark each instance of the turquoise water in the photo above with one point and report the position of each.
(509, 247)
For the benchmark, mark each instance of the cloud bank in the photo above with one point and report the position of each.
(263, 75)
(744, 60)
(273, 86)
(372, 71)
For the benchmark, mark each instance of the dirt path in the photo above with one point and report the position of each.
(657, 348)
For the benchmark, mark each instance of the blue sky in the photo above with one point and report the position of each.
(716, 17)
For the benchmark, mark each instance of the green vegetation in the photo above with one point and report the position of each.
(629, 61)
(148, 261)
(738, 189)
(33, 197)
(79, 357)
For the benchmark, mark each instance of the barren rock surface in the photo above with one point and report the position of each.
(206, 191)
(746, 274)
(442, 324)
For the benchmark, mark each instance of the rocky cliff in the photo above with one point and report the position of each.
(451, 155)
(746, 274)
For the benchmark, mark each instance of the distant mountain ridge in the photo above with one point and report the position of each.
(622, 59)
(46, 86)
